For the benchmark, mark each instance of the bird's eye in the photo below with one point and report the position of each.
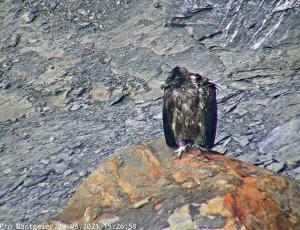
(193, 77)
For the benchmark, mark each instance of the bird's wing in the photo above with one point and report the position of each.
(211, 116)
(168, 109)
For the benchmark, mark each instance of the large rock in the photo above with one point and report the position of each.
(12, 106)
(146, 187)
(283, 142)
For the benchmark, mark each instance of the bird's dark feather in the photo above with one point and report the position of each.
(167, 119)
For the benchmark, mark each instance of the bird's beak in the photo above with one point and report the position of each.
(163, 85)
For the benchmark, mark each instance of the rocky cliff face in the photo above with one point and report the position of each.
(146, 187)
(79, 79)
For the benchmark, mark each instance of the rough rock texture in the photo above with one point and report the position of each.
(283, 142)
(80, 79)
(12, 107)
(147, 187)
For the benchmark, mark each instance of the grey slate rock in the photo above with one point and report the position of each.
(33, 181)
(29, 16)
(18, 182)
(68, 172)
(276, 167)
(45, 161)
(60, 168)
(284, 142)
(75, 107)
(8, 171)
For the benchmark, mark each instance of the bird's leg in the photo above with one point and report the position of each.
(182, 144)
(199, 147)
(202, 150)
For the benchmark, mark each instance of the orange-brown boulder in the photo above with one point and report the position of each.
(146, 187)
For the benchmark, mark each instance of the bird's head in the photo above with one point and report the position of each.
(177, 76)
(180, 76)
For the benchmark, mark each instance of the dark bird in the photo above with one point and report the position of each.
(189, 110)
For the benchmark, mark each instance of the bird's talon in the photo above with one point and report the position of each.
(179, 155)
(180, 151)
(201, 149)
